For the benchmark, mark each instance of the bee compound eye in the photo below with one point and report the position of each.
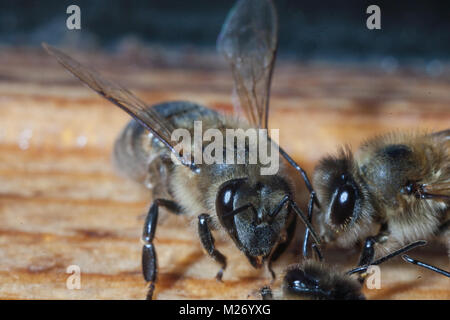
(343, 204)
(226, 196)
(298, 282)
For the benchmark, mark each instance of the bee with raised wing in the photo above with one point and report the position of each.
(396, 189)
(256, 211)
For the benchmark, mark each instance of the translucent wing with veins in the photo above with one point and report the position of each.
(248, 40)
(121, 97)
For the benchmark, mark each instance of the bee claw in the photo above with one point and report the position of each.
(151, 289)
(219, 275)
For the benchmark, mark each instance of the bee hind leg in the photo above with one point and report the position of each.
(149, 258)
(207, 241)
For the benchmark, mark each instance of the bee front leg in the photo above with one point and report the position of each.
(149, 259)
(281, 248)
(207, 241)
(368, 251)
(443, 228)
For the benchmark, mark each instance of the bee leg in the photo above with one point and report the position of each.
(368, 251)
(149, 259)
(269, 267)
(266, 293)
(272, 273)
(444, 227)
(207, 241)
(305, 220)
(302, 172)
(310, 214)
(317, 254)
(367, 256)
(281, 248)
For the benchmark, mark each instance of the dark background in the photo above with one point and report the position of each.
(413, 31)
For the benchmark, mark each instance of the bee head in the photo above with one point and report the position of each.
(312, 280)
(343, 201)
(245, 207)
(342, 198)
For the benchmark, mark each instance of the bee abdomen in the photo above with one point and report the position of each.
(136, 149)
(133, 150)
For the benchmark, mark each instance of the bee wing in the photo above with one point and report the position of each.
(120, 96)
(248, 40)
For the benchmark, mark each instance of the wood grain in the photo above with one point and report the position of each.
(62, 204)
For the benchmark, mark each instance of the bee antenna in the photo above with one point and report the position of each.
(425, 265)
(305, 220)
(317, 251)
(389, 256)
(426, 195)
(306, 237)
(298, 169)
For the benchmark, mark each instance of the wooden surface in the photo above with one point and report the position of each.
(62, 204)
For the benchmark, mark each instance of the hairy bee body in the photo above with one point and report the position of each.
(142, 157)
(247, 197)
(315, 280)
(392, 180)
(319, 281)
(389, 164)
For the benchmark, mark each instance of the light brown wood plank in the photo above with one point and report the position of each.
(61, 203)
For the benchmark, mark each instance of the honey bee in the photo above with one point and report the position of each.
(258, 212)
(394, 190)
(314, 280)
